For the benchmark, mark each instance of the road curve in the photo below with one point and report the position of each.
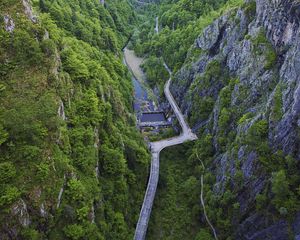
(156, 147)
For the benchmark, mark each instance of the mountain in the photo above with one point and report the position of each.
(72, 163)
(236, 80)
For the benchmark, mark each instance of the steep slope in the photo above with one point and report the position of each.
(237, 82)
(243, 91)
(72, 164)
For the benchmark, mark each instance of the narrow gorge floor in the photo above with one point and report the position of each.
(156, 148)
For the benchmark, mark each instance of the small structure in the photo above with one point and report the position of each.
(154, 119)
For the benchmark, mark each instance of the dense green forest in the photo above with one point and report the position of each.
(180, 22)
(73, 164)
(67, 123)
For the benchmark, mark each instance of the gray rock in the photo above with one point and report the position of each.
(248, 166)
(28, 11)
(225, 39)
(212, 33)
(20, 210)
(9, 23)
(61, 111)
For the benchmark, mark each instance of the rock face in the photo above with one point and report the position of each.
(61, 111)
(20, 210)
(258, 48)
(9, 24)
(28, 11)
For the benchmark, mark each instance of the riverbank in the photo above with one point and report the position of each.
(134, 63)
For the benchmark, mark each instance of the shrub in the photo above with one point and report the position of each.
(9, 195)
(263, 46)
(271, 58)
(250, 9)
(277, 104)
(280, 187)
(48, 46)
(74, 231)
(7, 172)
(27, 49)
(257, 133)
(204, 234)
(3, 135)
(30, 234)
(244, 118)
(75, 190)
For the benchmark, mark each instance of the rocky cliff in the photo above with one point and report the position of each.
(243, 90)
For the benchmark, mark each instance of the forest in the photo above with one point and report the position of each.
(67, 123)
(73, 164)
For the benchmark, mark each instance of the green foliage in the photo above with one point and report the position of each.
(245, 117)
(224, 118)
(213, 70)
(74, 232)
(27, 49)
(284, 200)
(204, 234)
(43, 171)
(271, 58)
(280, 186)
(155, 72)
(227, 116)
(9, 195)
(257, 133)
(7, 172)
(276, 114)
(113, 161)
(76, 190)
(250, 9)
(262, 46)
(3, 135)
(82, 21)
(67, 103)
(202, 107)
(176, 209)
(182, 22)
(261, 201)
(30, 234)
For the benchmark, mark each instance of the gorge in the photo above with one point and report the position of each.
(74, 162)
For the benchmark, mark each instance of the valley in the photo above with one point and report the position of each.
(191, 131)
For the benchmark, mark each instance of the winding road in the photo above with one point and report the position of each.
(156, 147)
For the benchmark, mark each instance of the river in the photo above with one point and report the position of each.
(145, 100)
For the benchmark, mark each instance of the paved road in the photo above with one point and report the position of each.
(156, 147)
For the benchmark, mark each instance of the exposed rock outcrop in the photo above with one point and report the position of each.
(9, 24)
(20, 210)
(28, 11)
(258, 46)
(61, 111)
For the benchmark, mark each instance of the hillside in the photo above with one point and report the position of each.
(72, 163)
(236, 80)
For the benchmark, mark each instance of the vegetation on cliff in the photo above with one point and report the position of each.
(72, 163)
